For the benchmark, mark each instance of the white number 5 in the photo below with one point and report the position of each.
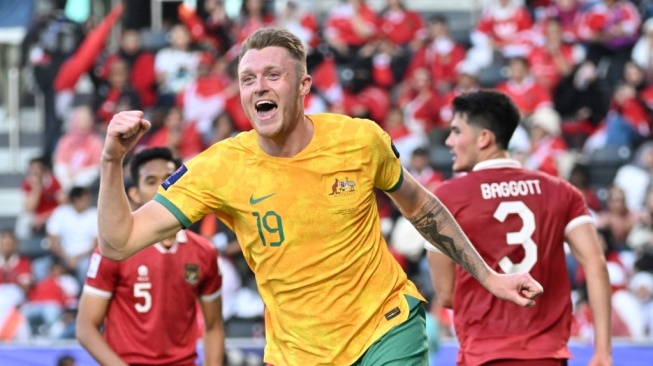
(141, 289)
(522, 237)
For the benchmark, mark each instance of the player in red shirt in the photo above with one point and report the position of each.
(518, 221)
(148, 303)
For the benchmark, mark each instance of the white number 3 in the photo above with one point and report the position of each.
(522, 237)
(142, 289)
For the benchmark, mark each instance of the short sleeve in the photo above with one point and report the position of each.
(211, 286)
(53, 226)
(101, 276)
(188, 192)
(578, 213)
(388, 172)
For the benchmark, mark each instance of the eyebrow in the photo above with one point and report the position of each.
(265, 69)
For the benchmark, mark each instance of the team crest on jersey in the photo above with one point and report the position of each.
(342, 187)
(174, 177)
(192, 273)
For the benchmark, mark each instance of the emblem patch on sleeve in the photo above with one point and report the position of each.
(174, 177)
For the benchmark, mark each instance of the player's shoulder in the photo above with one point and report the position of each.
(199, 242)
(335, 121)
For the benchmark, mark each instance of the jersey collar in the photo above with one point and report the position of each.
(180, 238)
(497, 164)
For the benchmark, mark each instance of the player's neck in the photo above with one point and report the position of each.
(495, 154)
(291, 143)
(169, 242)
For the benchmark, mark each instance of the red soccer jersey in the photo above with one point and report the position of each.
(516, 219)
(152, 315)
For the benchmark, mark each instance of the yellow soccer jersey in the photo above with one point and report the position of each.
(309, 228)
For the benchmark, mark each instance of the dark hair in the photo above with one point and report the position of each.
(59, 4)
(420, 151)
(491, 110)
(78, 192)
(150, 154)
(276, 37)
(43, 160)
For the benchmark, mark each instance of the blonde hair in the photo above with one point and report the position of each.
(276, 37)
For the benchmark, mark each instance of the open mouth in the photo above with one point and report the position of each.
(265, 108)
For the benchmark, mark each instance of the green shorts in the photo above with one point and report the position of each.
(403, 345)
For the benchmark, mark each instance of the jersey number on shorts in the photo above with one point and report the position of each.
(142, 290)
(270, 225)
(523, 237)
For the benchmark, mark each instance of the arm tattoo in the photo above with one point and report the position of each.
(438, 227)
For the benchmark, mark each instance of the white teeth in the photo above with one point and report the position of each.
(263, 102)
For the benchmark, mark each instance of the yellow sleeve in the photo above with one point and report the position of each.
(388, 172)
(187, 193)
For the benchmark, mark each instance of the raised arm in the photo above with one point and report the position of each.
(121, 233)
(436, 224)
(586, 248)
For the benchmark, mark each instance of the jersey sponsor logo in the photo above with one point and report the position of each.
(253, 201)
(174, 177)
(143, 273)
(192, 273)
(342, 187)
(94, 265)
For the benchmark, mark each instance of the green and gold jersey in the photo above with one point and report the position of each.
(309, 228)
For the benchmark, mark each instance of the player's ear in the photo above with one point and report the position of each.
(132, 194)
(485, 138)
(305, 84)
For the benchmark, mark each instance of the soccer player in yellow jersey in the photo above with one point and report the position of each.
(298, 191)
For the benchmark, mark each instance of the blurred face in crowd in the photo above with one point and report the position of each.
(82, 202)
(174, 119)
(421, 79)
(633, 75)
(119, 74)
(179, 37)
(7, 244)
(82, 119)
(517, 70)
(131, 41)
(151, 175)
(394, 119)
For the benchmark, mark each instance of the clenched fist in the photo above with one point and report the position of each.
(124, 131)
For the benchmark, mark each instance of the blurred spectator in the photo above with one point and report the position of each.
(609, 29)
(466, 73)
(78, 152)
(206, 96)
(140, 63)
(405, 140)
(581, 102)
(72, 235)
(547, 146)
(439, 53)
(66, 361)
(616, 219)
(50, 298)
(641, 235)
(578, 177)
(420, 169)
(117, 95)
(15, 280)
(47, 44)
(175, 65)
(634, 178)
(400, 25)
(421, 104)
(348, 27)
(502, 31)
(386, 60)
(223, 128)
(181, 137)
(254, 14)
(552, 58)
(523, 89)
(42, 193)
(642, 54)
(296, 16)
(214, 30)
(567, 13)
(641, 285)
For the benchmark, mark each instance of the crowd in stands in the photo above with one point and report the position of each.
(579, 71)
